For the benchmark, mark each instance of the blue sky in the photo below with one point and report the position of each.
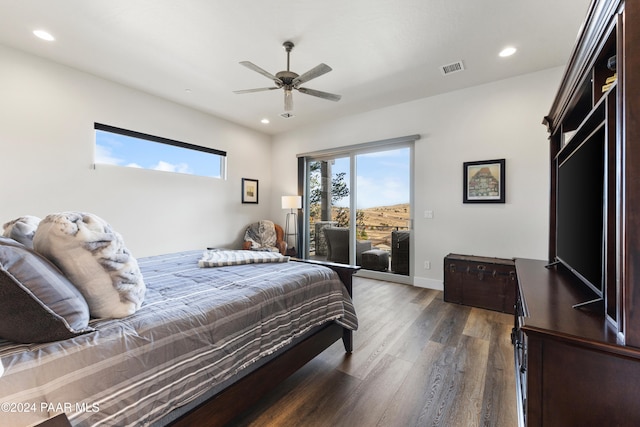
(382, 179)
(115, 149)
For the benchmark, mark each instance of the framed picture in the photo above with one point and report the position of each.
(249, 190)
(484, 181)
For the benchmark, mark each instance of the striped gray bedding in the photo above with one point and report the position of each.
(198, 327)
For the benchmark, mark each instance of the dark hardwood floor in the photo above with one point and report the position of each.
(417, 361)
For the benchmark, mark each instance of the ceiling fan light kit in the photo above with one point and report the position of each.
(289, 81)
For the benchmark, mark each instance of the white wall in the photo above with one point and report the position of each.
(47, 112)
(497, 120)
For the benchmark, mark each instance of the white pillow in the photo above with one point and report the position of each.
(93, 257)
(22, 229)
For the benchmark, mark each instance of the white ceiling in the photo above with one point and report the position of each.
(382, 52)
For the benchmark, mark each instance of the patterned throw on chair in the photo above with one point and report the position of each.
(262, 236)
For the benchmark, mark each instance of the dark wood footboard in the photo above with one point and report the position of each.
(222, 408)
(240, 396)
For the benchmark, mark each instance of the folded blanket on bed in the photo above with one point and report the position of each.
(220, 258)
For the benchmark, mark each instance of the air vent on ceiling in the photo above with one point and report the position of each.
(452, 68)
(286, 115)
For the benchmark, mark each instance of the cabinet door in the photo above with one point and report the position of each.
(571, 385)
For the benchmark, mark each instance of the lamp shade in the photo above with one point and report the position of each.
(291, 202)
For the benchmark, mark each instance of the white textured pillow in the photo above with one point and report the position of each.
(93, 257)
(22, 229)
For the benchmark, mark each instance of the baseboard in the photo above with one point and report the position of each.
(383, 275)
(420, 282)
(425, 282)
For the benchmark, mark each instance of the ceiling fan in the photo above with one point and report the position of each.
(288, 80)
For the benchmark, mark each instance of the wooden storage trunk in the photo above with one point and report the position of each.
(480, 282)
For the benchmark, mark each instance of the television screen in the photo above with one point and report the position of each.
(580, 211)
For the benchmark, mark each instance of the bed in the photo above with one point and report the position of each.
(204, 346)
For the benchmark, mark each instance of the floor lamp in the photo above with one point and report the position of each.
(291, 224)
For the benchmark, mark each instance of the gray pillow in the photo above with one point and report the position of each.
(37, 303)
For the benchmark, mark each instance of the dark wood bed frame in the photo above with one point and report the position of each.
(244, 393)
(240, 396)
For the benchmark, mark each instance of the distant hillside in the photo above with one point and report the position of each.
(380, 221)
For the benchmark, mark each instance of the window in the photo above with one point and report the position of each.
(121, 147)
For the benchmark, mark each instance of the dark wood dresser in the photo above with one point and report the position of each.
(480, 282)
(581, 366)
(570, 370)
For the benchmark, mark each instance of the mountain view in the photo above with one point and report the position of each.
(376, 223)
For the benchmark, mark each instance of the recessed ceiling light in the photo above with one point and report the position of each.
(507, 51)
(43, 35)
(265, 121)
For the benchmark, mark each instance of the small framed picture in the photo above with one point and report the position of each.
(249, 190)
(484, 181)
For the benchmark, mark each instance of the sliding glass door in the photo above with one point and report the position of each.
(359, 208)
(383, 208)
(328, 199)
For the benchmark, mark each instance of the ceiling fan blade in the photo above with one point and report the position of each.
(320, 94)
(257, 69)
(261, 89)
(316, 71)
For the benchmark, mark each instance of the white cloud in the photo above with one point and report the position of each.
(170, 167)
(104, 156)
(183, 168)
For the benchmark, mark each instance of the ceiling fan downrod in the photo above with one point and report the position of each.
(288, 46)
